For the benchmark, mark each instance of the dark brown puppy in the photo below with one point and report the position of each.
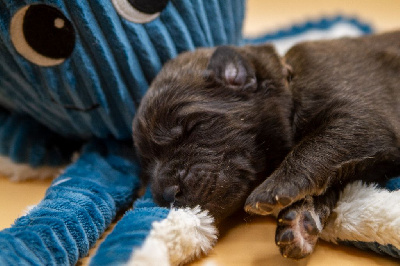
(219, 126)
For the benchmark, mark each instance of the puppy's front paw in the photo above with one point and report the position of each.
(298, 231)
(270, 197)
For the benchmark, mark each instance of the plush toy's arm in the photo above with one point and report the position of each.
(77, 208)
(29, 150)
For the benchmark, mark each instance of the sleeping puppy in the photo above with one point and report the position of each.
(231, 127)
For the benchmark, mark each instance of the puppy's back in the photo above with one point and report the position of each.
(357, 76)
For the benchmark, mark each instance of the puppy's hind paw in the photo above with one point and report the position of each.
(297, 232)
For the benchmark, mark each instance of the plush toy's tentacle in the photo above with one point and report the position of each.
(152, 235)
(367, 217)
(29, 150)
(325, 28)
(130, 232)
(77, 208)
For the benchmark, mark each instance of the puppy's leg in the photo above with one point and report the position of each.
(300, 224)
(330, 156)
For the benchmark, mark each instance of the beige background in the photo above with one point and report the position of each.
(248, 240)
(265, 15)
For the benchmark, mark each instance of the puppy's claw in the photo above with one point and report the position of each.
(249, 209)
(258, 208)
(265, 207)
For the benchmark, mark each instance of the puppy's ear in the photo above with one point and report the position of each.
(230, 68)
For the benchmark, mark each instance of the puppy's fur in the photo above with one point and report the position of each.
(228, 127)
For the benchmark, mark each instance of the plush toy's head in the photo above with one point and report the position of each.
(81, 67)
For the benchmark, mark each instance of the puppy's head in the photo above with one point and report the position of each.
(213, 123)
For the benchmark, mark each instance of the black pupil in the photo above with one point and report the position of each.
(149, 6)
(48, 31)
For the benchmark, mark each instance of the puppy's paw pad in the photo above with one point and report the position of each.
(297, 233)
(287, 218)
(309, 224)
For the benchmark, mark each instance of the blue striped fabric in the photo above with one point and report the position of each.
(24, 140)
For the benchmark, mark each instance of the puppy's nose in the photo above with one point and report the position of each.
(170, 193)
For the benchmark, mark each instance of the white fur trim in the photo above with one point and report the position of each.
(28, 210)
(153, 252)
(282, 45)
(60, 181)
(184, 235)
(20, 172)
(365, 213)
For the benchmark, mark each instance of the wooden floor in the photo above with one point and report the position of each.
(246, 240)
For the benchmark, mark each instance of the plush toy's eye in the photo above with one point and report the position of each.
(140, 11)
(42, 34)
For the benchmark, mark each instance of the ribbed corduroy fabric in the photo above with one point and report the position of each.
(78, 207)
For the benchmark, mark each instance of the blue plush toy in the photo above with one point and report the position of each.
(71, 76)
